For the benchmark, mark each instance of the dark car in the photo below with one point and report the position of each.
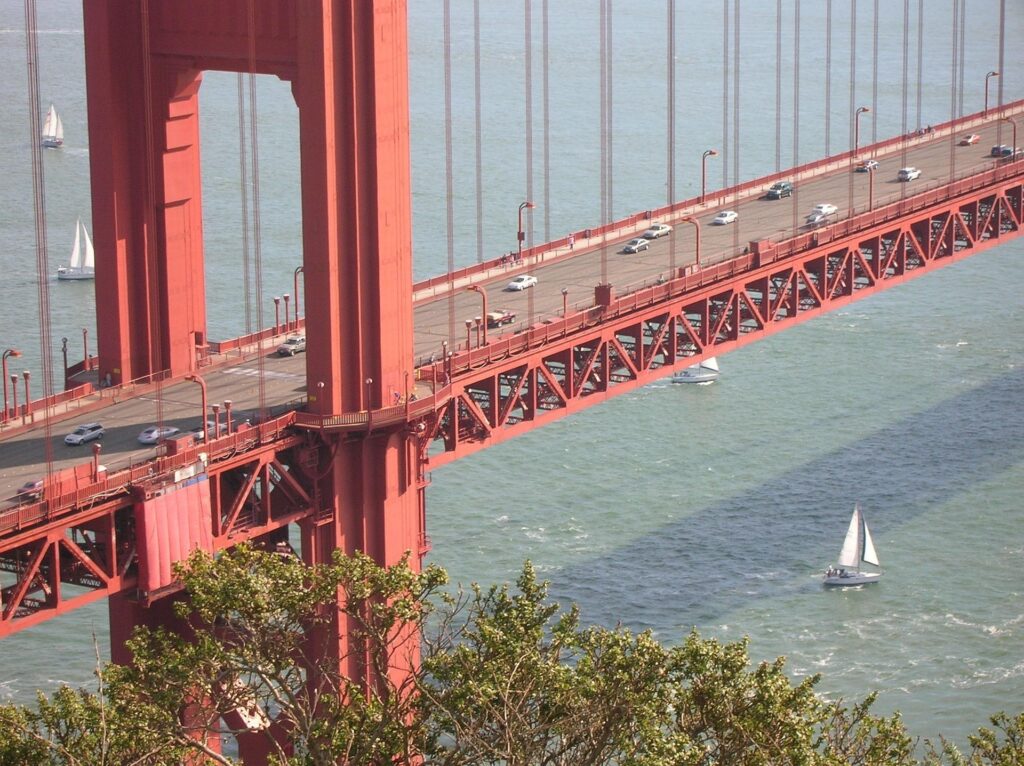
(498, 318)
(1001, 150)
(780, 189)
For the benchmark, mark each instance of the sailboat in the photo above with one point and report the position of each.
(702, 374)
(82, 257)
(53, 129)
(858, 549)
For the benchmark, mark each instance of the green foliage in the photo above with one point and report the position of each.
(323, 664)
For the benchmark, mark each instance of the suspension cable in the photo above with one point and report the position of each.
(545, 46)
(828, 78)
(796, 110)
(448, 178)
(39, 202)
(257, 241)
(243, 159)
(478, 123)
(670, 130)
(778, 86)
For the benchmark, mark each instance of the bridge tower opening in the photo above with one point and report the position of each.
(347, 64)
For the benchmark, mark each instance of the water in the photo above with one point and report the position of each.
(674, 506)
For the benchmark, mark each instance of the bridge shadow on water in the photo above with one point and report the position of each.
(773, 540)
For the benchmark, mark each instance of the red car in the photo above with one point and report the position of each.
(969, 139)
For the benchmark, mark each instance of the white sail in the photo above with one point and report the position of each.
(89, 257)
(53, 128)
(870, 555)
(711, 363)
(76, 251)
(849, 556)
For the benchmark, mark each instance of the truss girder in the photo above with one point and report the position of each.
(644, 342)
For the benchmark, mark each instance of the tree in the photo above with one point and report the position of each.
(507, 677)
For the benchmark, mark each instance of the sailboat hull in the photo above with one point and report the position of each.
(75, 274)
(853, 578)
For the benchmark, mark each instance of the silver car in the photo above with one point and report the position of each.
(84, 433)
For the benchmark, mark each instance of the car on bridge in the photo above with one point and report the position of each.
(725, 217)
(636, 245)
(84, 433)
(522, 282)
(30, 491)
(970, 139)
(155, 434)
(867, 166)
(1001, 150)
(908, 174)
(292, 346)
(657, 230)
(780, 189)
(499, 318)
(825, 208)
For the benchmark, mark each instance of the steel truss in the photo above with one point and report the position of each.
(90, 551)
(642, 338)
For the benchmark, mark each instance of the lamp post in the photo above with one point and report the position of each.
(216, 419)
(871, 188)
(28, 399)
(856, 128)
(295, 277)
(227, 415)
(202, 385)
(704, 171)
(988, 77)
(469, 334)
(64, 351)
(369, 410)
(483, 300)
(696, 248)
(1013, 124)
(287, 324)
(277, 313)
(85, 347)
(521, 235)
(14, 389)
(11, 352)
(565, 302)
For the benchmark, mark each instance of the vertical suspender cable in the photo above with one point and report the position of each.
(670, 128)
(725, 93)
(545, 44)
(39, 203)
(796, 108)
(906, 86)
(449, 191)
(736, 110)
(853, 87)
(778, 86)
(254, 154)
(478, 124)
(604, 55)
(963, 56)
(920, 59)
(528, 114)
(609, 113)
(874, 75)
(956, 71)
(1002, 53)
(243, 159)
(152, 268)
(828, 77)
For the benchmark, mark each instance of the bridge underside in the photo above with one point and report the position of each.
(545, 373)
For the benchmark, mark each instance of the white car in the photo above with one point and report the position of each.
(84, 433)
(908, 174)
(636, 245)
(522, 282)
(825, 208)
(867, 166)
(154, 434)
(726, 216)
(657, 230)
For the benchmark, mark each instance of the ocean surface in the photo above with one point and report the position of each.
(674, 507)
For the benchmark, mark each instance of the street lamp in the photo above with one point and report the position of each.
(287, 324)
(85, 347)
(277, 314)
(227, 416)
(696, 225)
(64, 350)
(521, 235)
(202, 385)
(14, 390)
(28, 399)
(704, 171)
(1013, 123)
(871, 187)
(856, 127)
(469, 334)
(10, 352)
(565, 302)
(988, 77)
(483, 299)
(295, 277)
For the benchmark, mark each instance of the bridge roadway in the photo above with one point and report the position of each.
(22, 453)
